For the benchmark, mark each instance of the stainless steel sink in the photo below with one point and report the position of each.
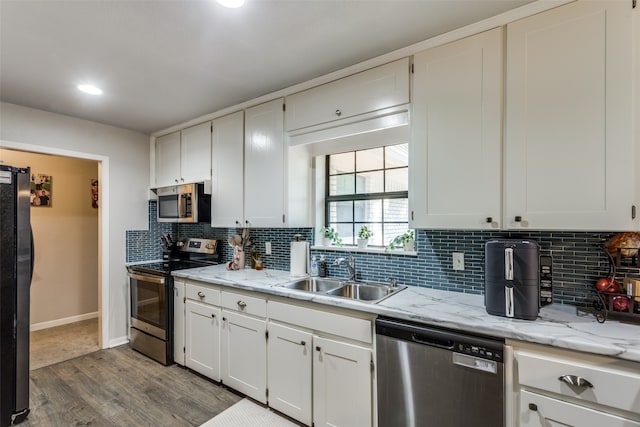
(314, 284)
(366, 292)
(369, 292)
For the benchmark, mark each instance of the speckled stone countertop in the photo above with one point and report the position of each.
(557, 325)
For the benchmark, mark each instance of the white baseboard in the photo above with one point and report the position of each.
(118, 341)
(65, 321)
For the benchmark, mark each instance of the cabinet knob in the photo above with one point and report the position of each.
(224, 319)
(338, 113)
(238, 223)
(303, 343)
(182, 179)
(201, 294)
(489, 220)
(176, 181)
(242, 304)
(533, 406)
(213, 316)
(518, 218)
(318, 348)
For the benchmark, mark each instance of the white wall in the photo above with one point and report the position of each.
(127, 155)
(65, 276)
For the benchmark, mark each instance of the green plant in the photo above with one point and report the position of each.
(365, 233)
(331, 234)
(400, 240)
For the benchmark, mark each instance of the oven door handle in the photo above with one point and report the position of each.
(147, 278)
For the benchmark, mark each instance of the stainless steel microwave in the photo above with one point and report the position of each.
(184, 203)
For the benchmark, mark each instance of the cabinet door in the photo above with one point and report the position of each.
(196, 153)
(289, 371)
(342, 384)
(264, 170)
(179, 317)
(227, 161)
(244, 354)
(168, 160)
(371, 90)
(569, 146)
(203, 339)
(457, 133)
(541, 411)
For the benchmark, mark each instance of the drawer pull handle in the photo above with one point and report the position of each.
(575, 381)
(242, 304)
(338, 113)
(201, 294)
(533, 406)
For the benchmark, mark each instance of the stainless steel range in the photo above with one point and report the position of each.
(151, 291)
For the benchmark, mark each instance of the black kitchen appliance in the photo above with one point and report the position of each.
(16, 267)
(151, 291)
(512, 278)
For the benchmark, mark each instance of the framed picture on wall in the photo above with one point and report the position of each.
(41, 190)
(95, 193)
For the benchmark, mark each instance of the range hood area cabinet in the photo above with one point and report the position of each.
(250, 176)
(183, 156)
(567, 160)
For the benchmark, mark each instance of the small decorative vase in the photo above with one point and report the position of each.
(363, 243)
(326, 241)
(409, 245)
(238, 257)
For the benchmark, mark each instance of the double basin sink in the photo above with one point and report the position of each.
(370, 292)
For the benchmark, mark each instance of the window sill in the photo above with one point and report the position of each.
(370, 250)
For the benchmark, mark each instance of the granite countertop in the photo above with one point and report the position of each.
(557, 325)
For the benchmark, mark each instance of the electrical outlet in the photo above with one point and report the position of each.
(458, 260)
(267, 248)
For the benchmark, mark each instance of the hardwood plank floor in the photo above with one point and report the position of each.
(120, 387)
(53, 345)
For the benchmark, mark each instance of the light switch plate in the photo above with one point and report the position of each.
(267, 248)
(458, 260)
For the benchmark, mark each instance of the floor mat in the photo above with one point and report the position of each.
(248, 414)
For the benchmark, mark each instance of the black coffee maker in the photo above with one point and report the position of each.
(512, 278)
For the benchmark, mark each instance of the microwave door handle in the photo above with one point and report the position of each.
(182, 206)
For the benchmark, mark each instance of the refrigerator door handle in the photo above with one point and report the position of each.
(33, 254)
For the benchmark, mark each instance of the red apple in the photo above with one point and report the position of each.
(620, 303)
(609, 285)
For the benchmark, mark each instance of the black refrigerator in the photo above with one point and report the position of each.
(16, 266)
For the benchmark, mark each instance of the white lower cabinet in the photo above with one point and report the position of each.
(244, 354)
(179, 318)
(289, 371)
(537, 410)
(342, 384)
(203, 339)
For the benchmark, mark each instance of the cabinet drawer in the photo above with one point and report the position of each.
(203, 294)
(611, 386)
(322, 321)
(244, 304)
(371, 90)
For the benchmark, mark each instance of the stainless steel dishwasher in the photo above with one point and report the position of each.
(437, 377)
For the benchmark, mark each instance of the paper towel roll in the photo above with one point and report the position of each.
(299, 258)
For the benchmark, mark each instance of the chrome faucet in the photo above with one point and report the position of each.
(351, 266)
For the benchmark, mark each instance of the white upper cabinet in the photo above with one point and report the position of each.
(455, 169)
(227, 180)
(569, 148)
(371, 90)
(264, 165)
(184, 156)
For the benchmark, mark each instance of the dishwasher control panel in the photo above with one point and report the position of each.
(479, 351)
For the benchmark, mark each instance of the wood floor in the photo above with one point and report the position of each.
(53, 345)
(120, 387)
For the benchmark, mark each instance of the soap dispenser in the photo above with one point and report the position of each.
(314, 267)
(322, 267)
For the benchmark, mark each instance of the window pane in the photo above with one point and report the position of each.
(341, 212)
(341, 163)
(341, 184)
(369, 182)
(368, 211)
(396, 210)
(367, 160)
(346, 233)
(393, 230)
(397, 180)
(397, 156)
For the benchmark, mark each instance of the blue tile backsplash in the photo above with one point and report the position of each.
(578, 258)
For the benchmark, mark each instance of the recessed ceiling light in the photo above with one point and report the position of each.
(231, 3)
(92, 90)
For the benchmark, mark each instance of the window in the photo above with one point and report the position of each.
(368, 187)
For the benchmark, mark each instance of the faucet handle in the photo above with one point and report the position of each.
(393, 280)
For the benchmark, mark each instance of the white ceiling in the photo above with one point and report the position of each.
(163, 62)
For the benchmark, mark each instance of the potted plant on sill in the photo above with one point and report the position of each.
(406, 240)
(330, 235)
(363, 237)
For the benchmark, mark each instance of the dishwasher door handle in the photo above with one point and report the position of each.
(475, 363)
(432, 341)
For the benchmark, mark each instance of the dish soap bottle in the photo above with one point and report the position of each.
(322, 267)
(314, 267)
